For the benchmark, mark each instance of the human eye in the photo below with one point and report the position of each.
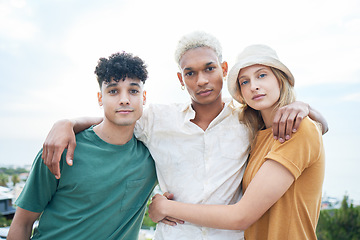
(244, 82)
(134, 91)
(262, 75)
(210, 69)
(113, 91)
(189, 74)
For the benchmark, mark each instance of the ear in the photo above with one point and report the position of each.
(225, 68)
(180, 79)
(144, 97)
(99, 95)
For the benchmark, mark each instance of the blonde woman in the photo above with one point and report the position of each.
(283, 182)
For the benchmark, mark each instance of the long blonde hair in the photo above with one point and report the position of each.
(252, 118)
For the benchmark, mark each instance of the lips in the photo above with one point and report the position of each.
(204, 92)
(258, 96)
(124, 110)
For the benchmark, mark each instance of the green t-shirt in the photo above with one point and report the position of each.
(102, 196)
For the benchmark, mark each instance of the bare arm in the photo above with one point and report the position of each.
(317, 117)
(61, 136)
(287, 119)
(21, 226)
(270, 183)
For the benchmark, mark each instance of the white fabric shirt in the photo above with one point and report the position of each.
(197, 166)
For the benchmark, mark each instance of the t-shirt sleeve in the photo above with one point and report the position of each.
(39, 187)
(144, 124)
(301, 151)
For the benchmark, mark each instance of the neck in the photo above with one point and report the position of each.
(268, 117)
(206, 113)
(114, 134)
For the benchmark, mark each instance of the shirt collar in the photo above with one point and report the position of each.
(189, 112)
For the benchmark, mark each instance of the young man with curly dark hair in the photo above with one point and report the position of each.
(104, 195)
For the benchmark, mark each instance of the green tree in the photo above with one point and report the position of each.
(343, 223)
(15, 179)
(4, 222)
(4, 179)
(147, 222)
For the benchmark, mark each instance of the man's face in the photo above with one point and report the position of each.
(122, 101)
(202, 74)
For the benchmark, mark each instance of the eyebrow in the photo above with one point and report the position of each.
(111, 85)
(206, 64)
(135, 84)
(116, 84)
(260, 69)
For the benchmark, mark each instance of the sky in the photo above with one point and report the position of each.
(49, 50)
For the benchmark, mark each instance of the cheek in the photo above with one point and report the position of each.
(138, 102)
(245, 94)
(221, 84)
(277, 93)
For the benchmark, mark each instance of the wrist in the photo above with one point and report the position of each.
(72, 123)
(64, 122)
(166, 207)
(309, 108)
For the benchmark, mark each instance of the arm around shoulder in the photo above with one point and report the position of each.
(61, 136)
(22, 224)
(316, 116)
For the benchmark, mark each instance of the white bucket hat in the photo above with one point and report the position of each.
(251, 55)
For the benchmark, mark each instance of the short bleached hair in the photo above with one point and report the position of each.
(197, 39)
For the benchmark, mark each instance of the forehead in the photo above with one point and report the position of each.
(123, 83)
(198, 57)
(252, 69)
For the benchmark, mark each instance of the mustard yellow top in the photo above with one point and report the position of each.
(295, 214)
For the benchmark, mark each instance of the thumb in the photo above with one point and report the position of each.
(168, 195)
(70, 153)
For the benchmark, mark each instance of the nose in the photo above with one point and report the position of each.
(254, 86)
(202, 80)
(124, 99)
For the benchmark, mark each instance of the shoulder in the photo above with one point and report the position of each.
(160, 108)
(308, 139)
(88, 135)
(308, 128)
(160, 112)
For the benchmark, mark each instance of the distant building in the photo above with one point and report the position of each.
(6, 205)
(4, 232)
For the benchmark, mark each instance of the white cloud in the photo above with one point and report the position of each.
(18, 3)
(15, 21)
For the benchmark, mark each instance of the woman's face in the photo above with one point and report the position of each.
(259, 87)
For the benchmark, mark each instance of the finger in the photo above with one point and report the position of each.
(282, 127)
(48, 161)
(155, 196)
(168, 222)
(290, 125)
(44, 154)
(298, 120)
(168, 195)
(55, 161)
(275, 126)
(70, 153)
(175, 220)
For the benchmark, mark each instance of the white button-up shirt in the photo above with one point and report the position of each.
(197, 166)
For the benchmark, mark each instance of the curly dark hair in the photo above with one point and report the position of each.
(119, 66)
